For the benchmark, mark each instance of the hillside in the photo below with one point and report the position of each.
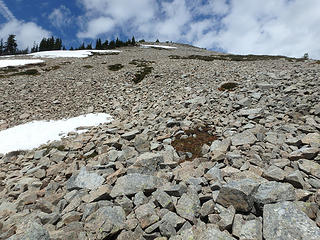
(202, 145)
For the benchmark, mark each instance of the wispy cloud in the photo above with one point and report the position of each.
(27, 32)
(247, 26)
(5, 12)
(61, 17)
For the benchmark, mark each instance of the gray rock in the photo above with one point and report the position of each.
(84, 180)
(58, 156)
(130, 135)
(239, 194)
(274, 173)
(226, 217)
(34, 231)
(207, 208)
(284, 221)
(304, 153)
(163, 199)
(272, 192)
(133, 183)
(188, 206)
(175, 190)
(296, 179)
(101, 193)
(247, 112)
(311, 138)
(146, 163)
(141, 143)
(106, 221)
(169, 222)
(39, 154)
(309, 167)
(243, 138)
(146, 215)
(251, 229)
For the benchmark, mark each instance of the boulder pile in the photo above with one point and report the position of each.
(257, 178)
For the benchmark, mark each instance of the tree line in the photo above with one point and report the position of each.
(10, 47)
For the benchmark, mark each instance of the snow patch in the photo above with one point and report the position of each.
(70, 54)
(18, 62)
(157, 46)
(33, 134)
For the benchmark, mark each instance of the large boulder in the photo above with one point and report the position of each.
(284, 220)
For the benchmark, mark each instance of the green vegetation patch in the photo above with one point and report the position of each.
(229, 86)
(115, 67)
(48, 69)
(141, 74)
(88, 66)
(141, 62)
(194, 142)
(30, 72)
(237, 58)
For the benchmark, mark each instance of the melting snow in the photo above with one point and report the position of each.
(18, 62)
(70, 54)
(157, 46)
(31, 135)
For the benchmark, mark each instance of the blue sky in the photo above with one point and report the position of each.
(277, 27)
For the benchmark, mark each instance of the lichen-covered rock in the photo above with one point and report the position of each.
(284, 221)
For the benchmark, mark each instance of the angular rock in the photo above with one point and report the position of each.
(146, 163)
(141, 143)
(106, 221)
(146, 215)
(163, 199)
(274, 173)
(130, 135)
(133, 183)
(304, 153)
(243, 138)
(84, 179)
(296, 179)
(309, 167)
(188, 206)
(311, 138)
(251, 229)
(284, 221)
(272, 192)
(239, 194)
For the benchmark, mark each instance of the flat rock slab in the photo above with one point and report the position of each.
(243, 138)
(272, 192)
(284, 221)
(85, 179)
(134, 183)
(304, 153)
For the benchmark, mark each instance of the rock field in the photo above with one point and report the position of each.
(184, 158)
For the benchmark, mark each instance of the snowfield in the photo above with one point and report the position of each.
(31, 135)
(157, 46)
(18, 62)
(70, 54)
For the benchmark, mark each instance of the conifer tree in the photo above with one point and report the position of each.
(105, 45)
(10, 46)
(1, 47)
(98, 44)
(133, 41)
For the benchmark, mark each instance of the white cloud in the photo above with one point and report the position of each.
(97, 26)
(286, 27)
(26, 32)
(4, 11)
(60, 17)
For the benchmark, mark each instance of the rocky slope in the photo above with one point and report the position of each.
(183, 159)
